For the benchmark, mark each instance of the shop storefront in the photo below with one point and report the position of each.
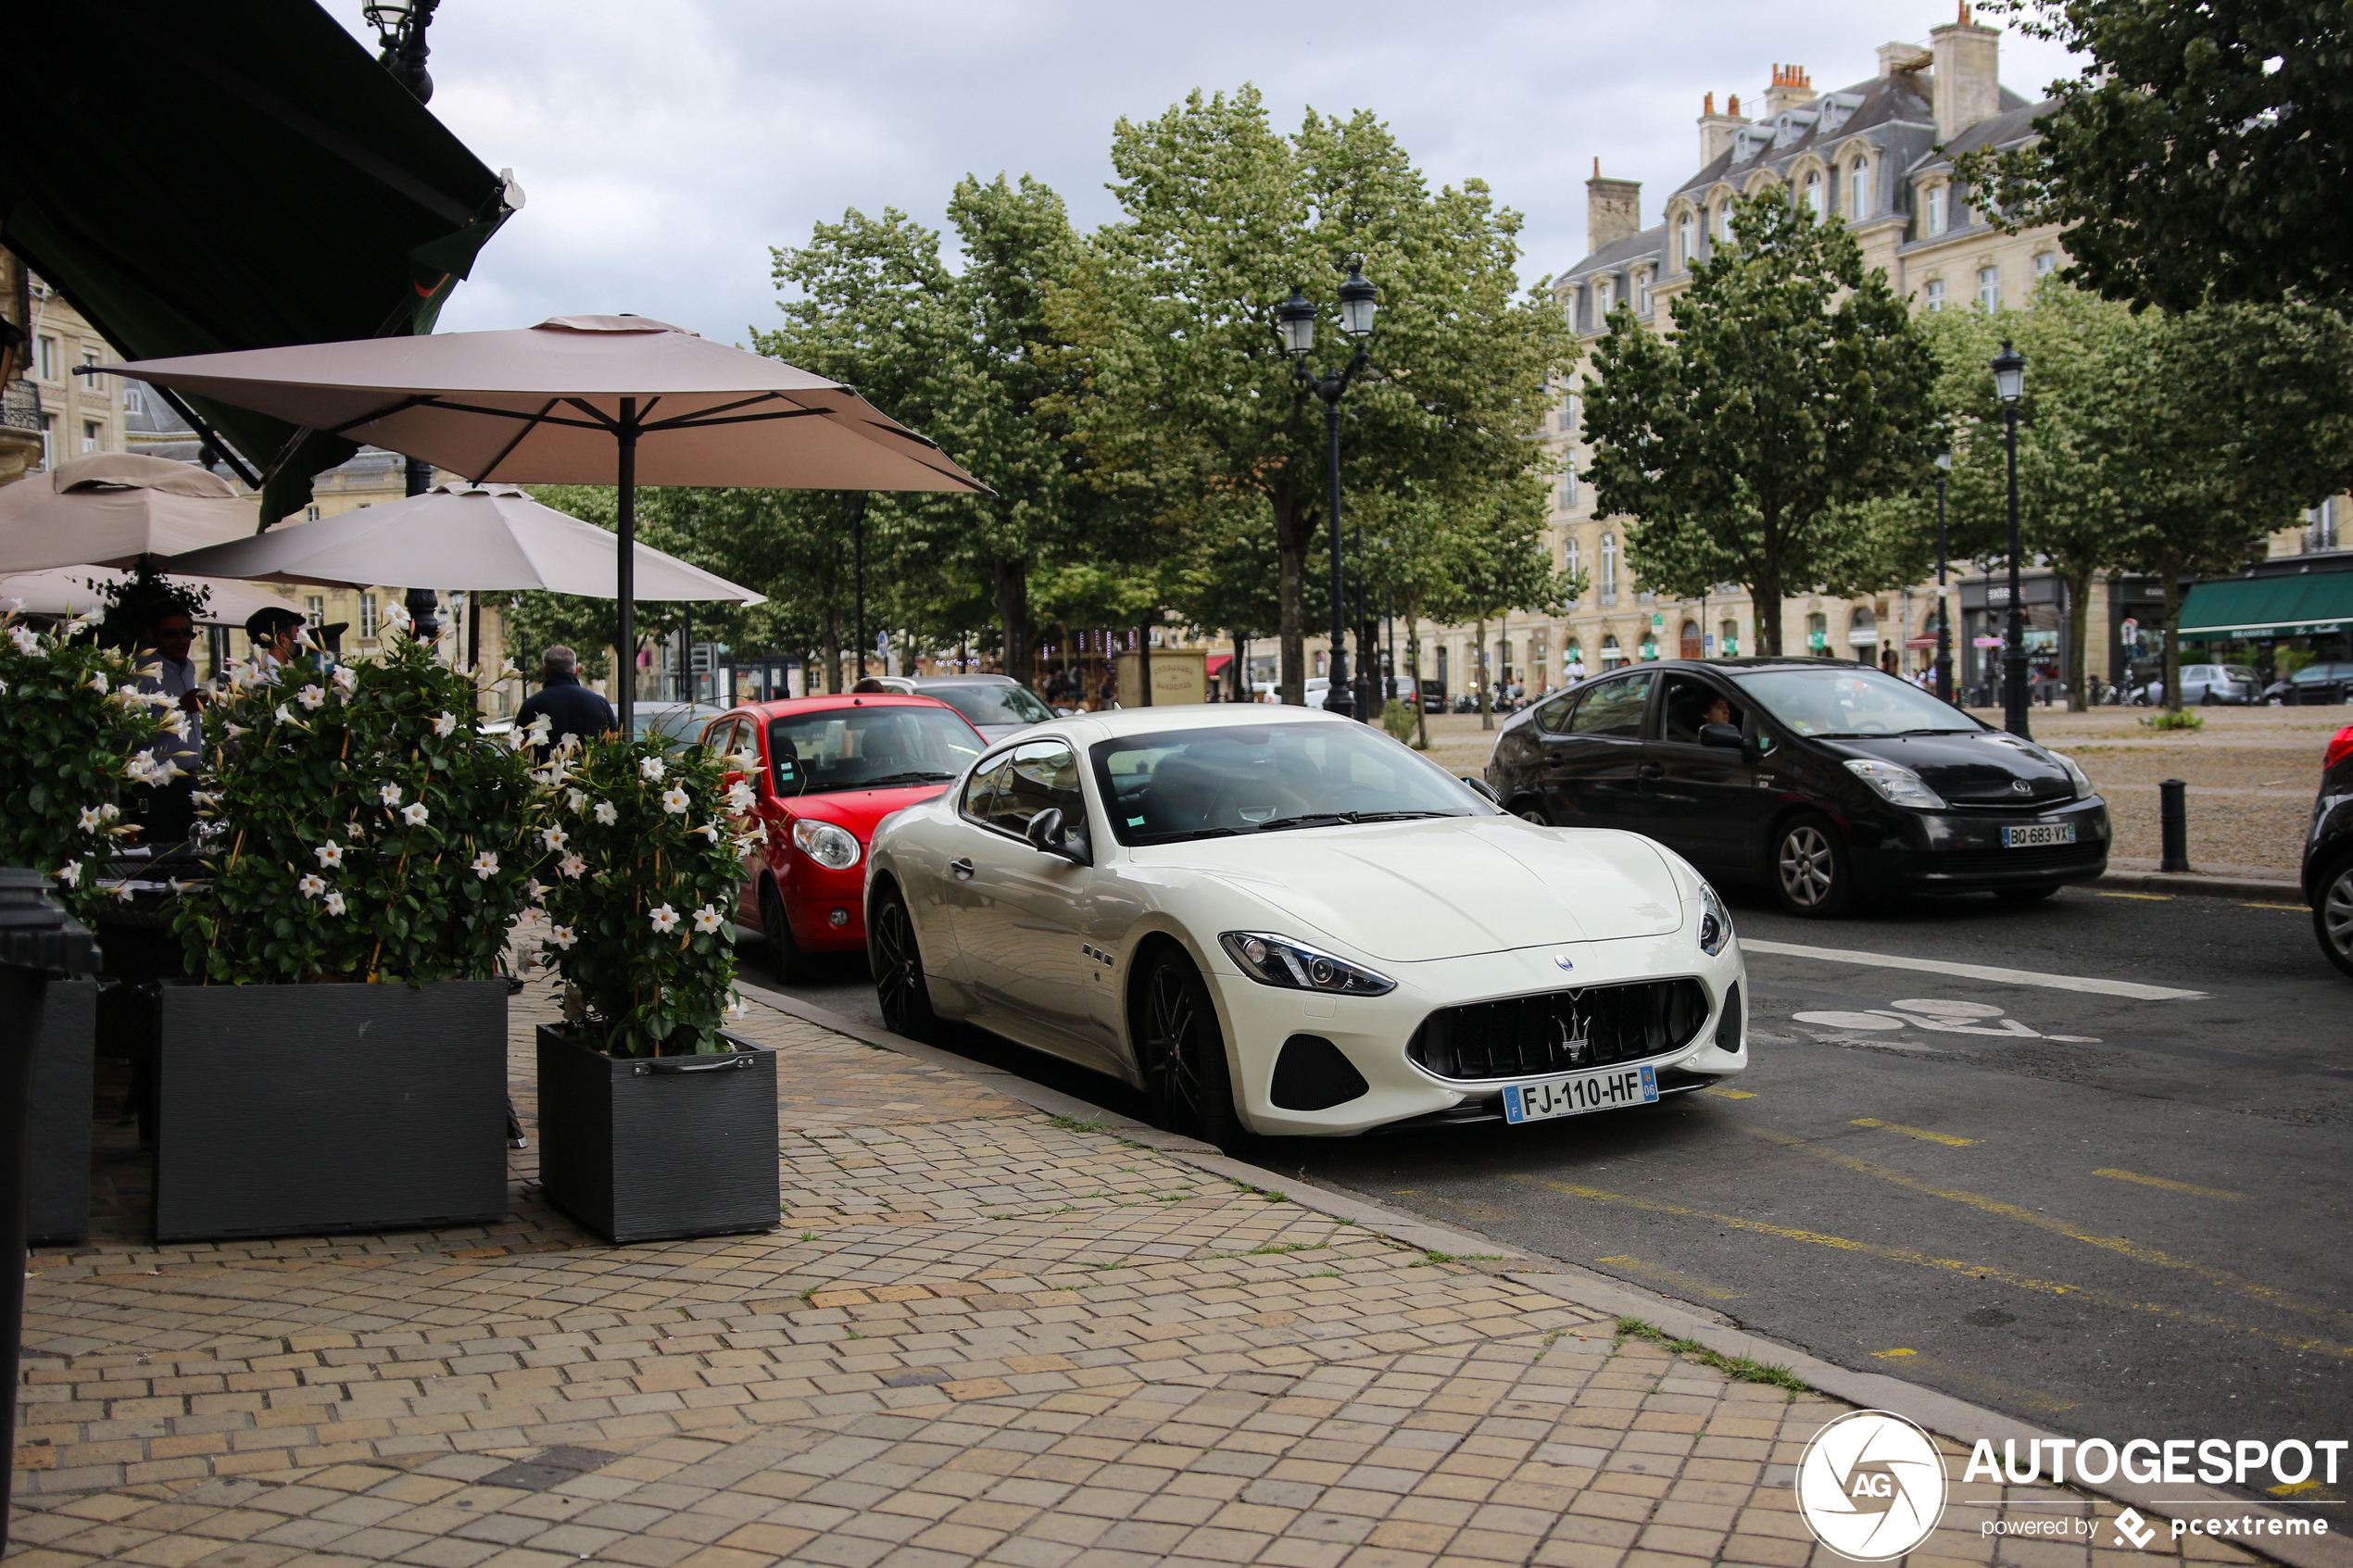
(1985, 616)
(2278, 617)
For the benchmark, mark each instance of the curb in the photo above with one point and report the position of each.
(1940, 1413)
(2190, 884)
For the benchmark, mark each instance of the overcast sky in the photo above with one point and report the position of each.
(666, 144)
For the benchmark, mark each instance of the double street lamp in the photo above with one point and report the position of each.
(1296, 318)
(2009, 386)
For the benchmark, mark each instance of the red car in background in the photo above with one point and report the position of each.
(830, 770)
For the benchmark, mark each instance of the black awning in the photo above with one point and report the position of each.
(230, 177)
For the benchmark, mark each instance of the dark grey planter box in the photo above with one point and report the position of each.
(641, 1149)
(57, 1193)
(307, 1109)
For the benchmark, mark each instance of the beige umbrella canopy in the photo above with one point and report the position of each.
(482, 538)
(67, 590)
(620, 400)
(111, 507)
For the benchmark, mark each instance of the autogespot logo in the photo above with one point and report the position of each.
(1871, 1485)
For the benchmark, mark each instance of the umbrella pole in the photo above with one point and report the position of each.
(625, 670)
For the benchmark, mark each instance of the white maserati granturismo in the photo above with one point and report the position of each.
(1286, 922)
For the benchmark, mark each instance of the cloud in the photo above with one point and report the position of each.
(666, 147)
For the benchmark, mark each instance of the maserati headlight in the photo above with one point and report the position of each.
(1896, 784)
(1295, 966)
(833, 847)
(1715, 924)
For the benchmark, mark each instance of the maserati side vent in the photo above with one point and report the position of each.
(1313, 1074)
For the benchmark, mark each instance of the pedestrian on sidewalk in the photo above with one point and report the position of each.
(570, 708)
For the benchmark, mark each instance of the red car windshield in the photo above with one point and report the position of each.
(879, 748)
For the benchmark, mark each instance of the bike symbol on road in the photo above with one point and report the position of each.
(1939, 1016)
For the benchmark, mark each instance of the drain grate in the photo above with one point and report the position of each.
(551, 1468)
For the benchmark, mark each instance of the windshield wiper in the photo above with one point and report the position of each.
(919, 776)
(1184, 835)
(1328, 819)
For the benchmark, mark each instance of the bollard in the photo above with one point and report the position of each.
(2173, 825)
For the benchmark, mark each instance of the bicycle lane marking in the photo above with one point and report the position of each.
(2133, 989)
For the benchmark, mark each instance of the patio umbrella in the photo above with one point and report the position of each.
(620, 400)
(111, 507)
(66, 590)
(482, 538)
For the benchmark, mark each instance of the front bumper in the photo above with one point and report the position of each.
(812, 893)
(1372, 1032)
(1961, 851)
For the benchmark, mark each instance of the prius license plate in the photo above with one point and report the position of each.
(2035, 834)
(1606, 1090)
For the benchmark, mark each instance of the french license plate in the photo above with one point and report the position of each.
(1606, 1090)
(2034, 833)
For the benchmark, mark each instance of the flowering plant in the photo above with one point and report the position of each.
(74, 729)
(360, 826)
(640, 854)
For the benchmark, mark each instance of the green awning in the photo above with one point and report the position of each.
(240, 176)
(2301, 606)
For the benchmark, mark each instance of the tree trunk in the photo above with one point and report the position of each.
(2078, 592)
(1012, 617)
(832, 648)
(1486, 685)
(1765, 598)
(1413, 673)
(1294, 530)
(1241, 668)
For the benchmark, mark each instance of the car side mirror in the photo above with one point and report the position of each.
(1484, 788)
(1725, 735)
(1049, 835)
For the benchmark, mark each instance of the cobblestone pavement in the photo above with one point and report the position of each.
(982, 1335)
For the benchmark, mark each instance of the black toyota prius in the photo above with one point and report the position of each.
(1825, 781)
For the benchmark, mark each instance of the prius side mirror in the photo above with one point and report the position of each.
(1725, 735)
(1484, 790)
(1049, 835)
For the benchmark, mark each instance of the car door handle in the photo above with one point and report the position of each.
(963, 870)
(1650, 770)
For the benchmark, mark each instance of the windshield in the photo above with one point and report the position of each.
(1848, 699)
(867, 748)
(993, 704)
(678, 723)
(1267, 778)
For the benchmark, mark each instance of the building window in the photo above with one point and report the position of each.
(1818, 634)
(366, 615)
(1643, 292)
(1573, 563)
(1859, 192)
(314, 608)
(91, 385)
(45, 358)
(1728, 643)
(1683, 244)
(93, 436)
(1935, 294)
(1724, 220)
(1601, 302)
(48, 441)
(1568, 484)
(2045, 261)
(1609, 568)
(1612, 654)
(1989, 289)
(1932, 211)
(1814, 192)
(310, 513)
(2319, 527)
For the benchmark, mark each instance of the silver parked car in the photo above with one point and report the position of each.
(998, 706)
(2208, 684)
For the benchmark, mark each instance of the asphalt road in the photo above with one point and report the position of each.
(2104, 1193)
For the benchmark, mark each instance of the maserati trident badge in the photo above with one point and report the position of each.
(1564, 961)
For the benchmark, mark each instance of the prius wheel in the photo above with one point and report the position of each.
(1183, 1053)
(899, 987)
(1528, 812)
(2332, 913)
(1812, 875)
(784, 955)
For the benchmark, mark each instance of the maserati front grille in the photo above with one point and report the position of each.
(1560, 1031)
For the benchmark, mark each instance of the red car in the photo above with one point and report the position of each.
(831, 769)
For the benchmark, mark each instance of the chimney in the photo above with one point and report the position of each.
(1968, 88)
(1899, 55)
(1715, 130)
(1792, 86)
(1613, 210)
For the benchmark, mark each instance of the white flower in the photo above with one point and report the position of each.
(536, 889)
(91, 818)
(709, 831)
(541, 725)
(708, 918)
(554, 838)
(737, 1007)
(396, 615)
(165, 772)
(311, 885)
(605, 812)
(125, 892)
(310, 698)
(444, 724)
(329, 854)
(507, 667)
(414, 813)
(333, 903)
(571, 865)
(651, 769)
(389, 794)
(664, 920)
(347, 678)
(485, 864)
(26, 642)
(71, 873)
(283, 715)
(236, 730)
(97, 682)
(575, 800)
(745, 762)
(560, 937)
(110, 811)
(739, 797)
(673, 801)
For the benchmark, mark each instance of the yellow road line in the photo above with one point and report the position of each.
(2297, 908)
(1949, 1265)
(1689, 1284)
(2146, 897)
(1946, 1138)
(2190, 1187)
(1978, 1383)
(2305, 1491)
(2137, 1251)
(1730, 1094)
(1892, 1355)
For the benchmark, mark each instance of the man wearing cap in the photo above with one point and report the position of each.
(277, 636)
(570, 708)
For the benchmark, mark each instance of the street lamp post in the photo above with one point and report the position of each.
(2009, 386)
(1296, 319)
(1944, 619)
(853, 502)
(400, 28)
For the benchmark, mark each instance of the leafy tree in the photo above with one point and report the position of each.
(1500, 564)
(1793, 384)
(2201, 155)
(1188, 398)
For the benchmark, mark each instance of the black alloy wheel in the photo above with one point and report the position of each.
(784, 955)
(1182, 1053)
(1812, 876)
(900, 988)
(2333, 913)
